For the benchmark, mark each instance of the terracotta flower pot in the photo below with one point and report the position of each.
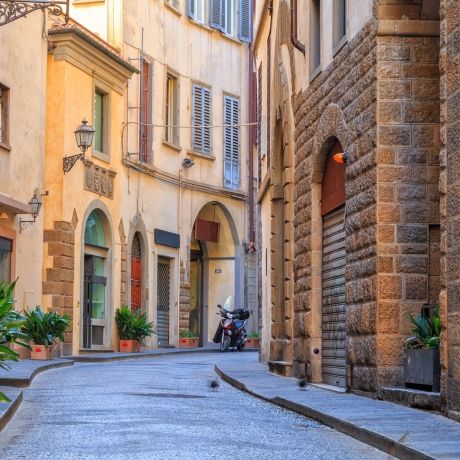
(188, 342)
(42, 352)
(253, 343)
(129, 346)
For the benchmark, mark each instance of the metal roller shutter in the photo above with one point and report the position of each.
(333, 289)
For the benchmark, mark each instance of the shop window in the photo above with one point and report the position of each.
(6, 249)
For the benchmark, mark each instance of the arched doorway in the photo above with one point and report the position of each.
(216, 270)
(333, 269)
(96, 294)
(136, 273)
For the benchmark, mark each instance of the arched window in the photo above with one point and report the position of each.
(94, 230)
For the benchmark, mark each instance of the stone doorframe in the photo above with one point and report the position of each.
(331, 127)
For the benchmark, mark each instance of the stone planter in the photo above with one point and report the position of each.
(42, 352)
(129, 346)
(253, 343)
(422, 369)
(188, 342)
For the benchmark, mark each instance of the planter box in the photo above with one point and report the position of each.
(253, 343)
(186, 342)
(24, 353)
(129, 346)
(42, 352)
(422, 369)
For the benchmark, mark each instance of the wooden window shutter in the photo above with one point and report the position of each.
(217, 14)
(245, 20)
(206, 129)
(201, 119)
(231, 143)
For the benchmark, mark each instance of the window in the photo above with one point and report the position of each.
(172, 112)
(4, 96)
(145, 113)
(231, 142)
(315, 36)
(101, 121)
(224, 15)
(339, 24)
(196, 10)
(201, 119)
(6, 248)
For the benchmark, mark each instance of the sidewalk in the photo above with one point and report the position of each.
(400, 431)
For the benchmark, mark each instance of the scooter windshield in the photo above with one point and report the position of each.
(228, 303)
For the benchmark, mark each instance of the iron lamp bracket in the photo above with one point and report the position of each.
(69, 162)
(10, 10)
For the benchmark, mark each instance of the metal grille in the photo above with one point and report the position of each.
(334, 308)
(163, 285)
(136, 250)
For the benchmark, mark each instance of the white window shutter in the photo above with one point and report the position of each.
(245, 20)
(192, 8)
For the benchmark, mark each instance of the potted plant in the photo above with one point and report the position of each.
(44, 329)
(10, 329)
(187, 339)
(422, 367)
(253, 340)
(133, 327)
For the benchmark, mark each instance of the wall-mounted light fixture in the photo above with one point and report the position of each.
(84, 136)
(187, 163)
(340, 157)
(35, 204)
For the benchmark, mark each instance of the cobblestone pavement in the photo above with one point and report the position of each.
(161, 408)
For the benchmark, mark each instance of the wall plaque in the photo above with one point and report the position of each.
(98, 179)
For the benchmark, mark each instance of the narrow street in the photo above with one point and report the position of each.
(161, 408)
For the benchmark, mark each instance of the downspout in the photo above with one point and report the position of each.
(294, 39)
(251, 108)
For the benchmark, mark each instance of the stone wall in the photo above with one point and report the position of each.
(340, 102)
(58, 282)
(450, 205)
(407, 193)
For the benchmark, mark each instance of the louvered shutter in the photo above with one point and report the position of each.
(201, 119)
(192, 8)
(245, 20)
(231, 143)
(206, 129)
(217, 12)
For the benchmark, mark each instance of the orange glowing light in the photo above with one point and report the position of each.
(340, 158)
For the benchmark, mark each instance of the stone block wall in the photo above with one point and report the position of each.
(450, 206)
(340, 102)
(407, 192)
(58, 283)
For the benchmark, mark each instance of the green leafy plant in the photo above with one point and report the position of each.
(133, 325)
(10, 328)
(253, 335)
(427, 331)
(45, 328)
(187, 335)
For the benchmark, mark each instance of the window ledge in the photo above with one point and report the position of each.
(204, 156)
(101, 156)
(173, 9)
(172, 146)
(5, 146)
(230, 38)
(201, 25)
(339, 45)
(315, 73)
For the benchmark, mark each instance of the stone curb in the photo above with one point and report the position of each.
(22, 382)
(5, 415)
(372, 438)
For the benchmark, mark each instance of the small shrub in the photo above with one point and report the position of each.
(427, 331)
(133, 325)
(187, 335)
(254, 335)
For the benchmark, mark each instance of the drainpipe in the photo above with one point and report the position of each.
(294, 39)
(251, 137)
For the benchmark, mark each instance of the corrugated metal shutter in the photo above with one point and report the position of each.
(333, 289)
(201, 119)
(163, 287)
(231, 143)
(245, 20)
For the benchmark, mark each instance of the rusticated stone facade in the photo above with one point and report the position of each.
(380, 99)
(450, 205)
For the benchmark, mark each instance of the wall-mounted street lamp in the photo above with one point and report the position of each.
(10, 10)
(35, 205)
(84, 136)
(341, 157)
(187, 163)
